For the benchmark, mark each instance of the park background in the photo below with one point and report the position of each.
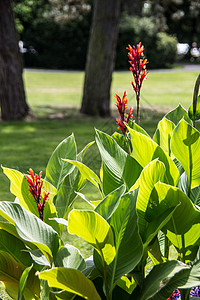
(54, 37)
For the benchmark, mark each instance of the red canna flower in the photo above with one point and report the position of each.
(35, 187)
(122, 106)
(138, 68)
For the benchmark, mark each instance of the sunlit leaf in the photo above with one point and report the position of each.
(70, 257)
(110, 203)
(185, 145)
(10, 274)
(118, 166)
(70, 280)
(183, 229)
(15, 247)
(30, 228)
(163, 135)
(177, 114)
(145, 150)
(151, 174)
(86, 172)
(57, 168)
(90, 226)
(16, 178)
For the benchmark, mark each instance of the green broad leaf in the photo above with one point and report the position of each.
(10, 274)
(70, 257)
(195, 195)
(118, 165)
(23, 282)
(128, 243)
(39, 258)
(185, 145)
(61, 221)
(86, 172)
(57, 168)
(158, 278)
(163, 135)
(121, 140)
(70, 280)
(15, 247)
(84, 202)
(177, 114)
(186, 278)
(183, 183)
(195, 116)
(136, 127)
(67, 192)
(145, 150)
(15, 178)
(183, 229)
(110, 203)
(127, 284)
(30, 228)
(150, 175)
(80, 156)
(91, 227)
(73, 182)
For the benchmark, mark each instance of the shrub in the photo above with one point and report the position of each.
(160, 48)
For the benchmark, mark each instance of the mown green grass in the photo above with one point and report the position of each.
(46, 90)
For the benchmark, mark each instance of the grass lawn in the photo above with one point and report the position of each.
(55, 99)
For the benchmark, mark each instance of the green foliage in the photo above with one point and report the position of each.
(148, 190)
(160, 48)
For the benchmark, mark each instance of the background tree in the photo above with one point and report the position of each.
(12, 95)
(101, 57)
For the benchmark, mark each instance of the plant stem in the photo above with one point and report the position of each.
(138, 108)
(108, 297)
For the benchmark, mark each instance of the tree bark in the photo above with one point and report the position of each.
(12, 95)
(101, 57)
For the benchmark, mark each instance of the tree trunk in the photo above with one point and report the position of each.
(12, 95)
(100, 59)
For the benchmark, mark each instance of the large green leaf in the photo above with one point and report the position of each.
(128, 243)
(70, 257)
(87, 173)
(57, 168)
(183, 229)
(110, 203)
(163, 135)
(90, 226)
(15, 247)
(186, 278)
(177, 114)
(151, 174)
(70, 280)
(185, 145)
(118, 166)
(157, 279)
(145, 150)
(30, 228)
(72, 183)
(23, 282)
(10, 274)
(16, 178)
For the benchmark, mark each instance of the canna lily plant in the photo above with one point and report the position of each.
(144, 230)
